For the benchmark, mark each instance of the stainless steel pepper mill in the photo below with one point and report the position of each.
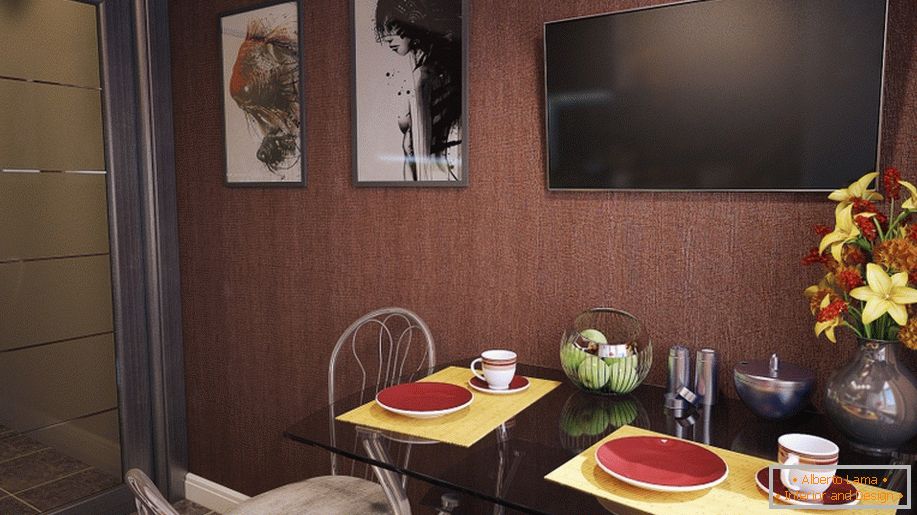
(679, 368)
(705, 373)
(679, 375)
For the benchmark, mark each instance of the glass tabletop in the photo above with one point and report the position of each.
(507, 467)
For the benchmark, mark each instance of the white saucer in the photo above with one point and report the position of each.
(519, 384)
(801, 502)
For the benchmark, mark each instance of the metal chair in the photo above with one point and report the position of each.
(147, 497)
(396, 336)
(387, 346)
(392, 333)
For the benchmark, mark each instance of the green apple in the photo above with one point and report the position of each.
(594, 335)
(593, 373)
(622, 374)
(584, 418)
(571, 357)
(597, 422)
(576, 415)
(571, 424)
(622, 413)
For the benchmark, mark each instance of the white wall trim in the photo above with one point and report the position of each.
(210, 495)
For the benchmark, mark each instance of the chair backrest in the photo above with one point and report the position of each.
(388, 346)
(147, 497)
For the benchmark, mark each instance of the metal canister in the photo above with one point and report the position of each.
(702, 426)
(705, 382)
(679, 368)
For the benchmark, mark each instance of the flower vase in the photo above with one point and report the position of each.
(873, 399)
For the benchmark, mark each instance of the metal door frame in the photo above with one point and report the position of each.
(143, 232)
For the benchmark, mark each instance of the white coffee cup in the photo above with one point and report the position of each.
(803, 449)
(499, 367)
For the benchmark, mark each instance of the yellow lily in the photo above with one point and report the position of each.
(844, 230)
(884, 294)
(858, 189)
(824, 286)
(827, 326)
(911, 203)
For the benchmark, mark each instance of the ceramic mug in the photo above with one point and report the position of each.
(499, 367)
(802, 449)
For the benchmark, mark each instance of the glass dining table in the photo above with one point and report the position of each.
(505, 470)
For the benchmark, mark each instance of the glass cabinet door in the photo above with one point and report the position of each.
(59, 420)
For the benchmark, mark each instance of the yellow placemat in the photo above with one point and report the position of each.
(464, 427)
(737, 494)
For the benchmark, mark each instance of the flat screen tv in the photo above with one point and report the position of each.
(716, 95)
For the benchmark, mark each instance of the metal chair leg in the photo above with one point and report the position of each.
(391, 485)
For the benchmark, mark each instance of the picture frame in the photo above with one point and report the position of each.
(262, 77)
(410, 92)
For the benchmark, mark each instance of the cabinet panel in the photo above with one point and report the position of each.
(49, 127)
(45, 385)
(52, 214)
(42, 301)
(49, 40)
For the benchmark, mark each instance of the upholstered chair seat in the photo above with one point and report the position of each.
(324, 495)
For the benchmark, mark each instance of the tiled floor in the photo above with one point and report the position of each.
(36, 478)
(185, 507)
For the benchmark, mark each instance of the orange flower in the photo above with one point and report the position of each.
(822, 230)
(813, 256)
(890, 180)
(908, 334)
(849, 278)
(911, 231)
(854, 255)
(867, 228)
(830, 316)
(899, 254)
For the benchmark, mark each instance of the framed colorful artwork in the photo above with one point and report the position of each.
(263, 107)
(410, 108)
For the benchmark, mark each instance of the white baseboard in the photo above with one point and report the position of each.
(210, 495)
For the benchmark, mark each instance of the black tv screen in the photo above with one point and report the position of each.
(716, 95)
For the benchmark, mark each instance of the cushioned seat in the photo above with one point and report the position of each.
(325, 495)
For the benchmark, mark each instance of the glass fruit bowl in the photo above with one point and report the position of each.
(606, 351)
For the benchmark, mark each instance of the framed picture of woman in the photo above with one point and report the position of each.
(410, 116)
(262, 79)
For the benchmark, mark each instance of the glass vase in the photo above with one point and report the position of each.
(873, 399)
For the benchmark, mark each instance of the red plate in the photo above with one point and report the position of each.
(424, 399)
(664, 464)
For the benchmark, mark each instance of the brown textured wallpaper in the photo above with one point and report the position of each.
(270, 277)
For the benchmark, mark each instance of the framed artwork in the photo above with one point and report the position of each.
(410, 109)
(263, 107)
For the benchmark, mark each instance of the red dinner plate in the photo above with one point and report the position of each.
(663, 464)
(424, 399)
